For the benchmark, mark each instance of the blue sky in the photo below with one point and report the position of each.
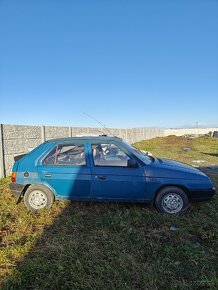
(128, 63)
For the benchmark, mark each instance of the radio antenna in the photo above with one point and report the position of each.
(98, 122)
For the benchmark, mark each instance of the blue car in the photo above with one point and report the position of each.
(105, 169)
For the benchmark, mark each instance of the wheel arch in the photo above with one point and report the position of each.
(182, 187)
(43, 184)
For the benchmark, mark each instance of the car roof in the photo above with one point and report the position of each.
(86, 138)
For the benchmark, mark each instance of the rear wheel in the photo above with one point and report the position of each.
(172, 200)
(38, 197)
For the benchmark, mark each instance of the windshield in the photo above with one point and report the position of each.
(138, 153)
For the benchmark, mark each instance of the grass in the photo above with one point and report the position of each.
(78, 245)
(202, 148)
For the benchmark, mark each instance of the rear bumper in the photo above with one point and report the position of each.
(202, 195)
(16, 189)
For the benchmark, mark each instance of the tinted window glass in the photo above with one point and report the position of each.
(66, 155)
(108, 155)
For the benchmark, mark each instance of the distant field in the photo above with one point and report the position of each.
(203, 149)
(78, 245)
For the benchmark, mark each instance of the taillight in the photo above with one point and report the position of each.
(13, 176)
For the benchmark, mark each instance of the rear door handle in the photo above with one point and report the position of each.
(48, 175)
(101, 177)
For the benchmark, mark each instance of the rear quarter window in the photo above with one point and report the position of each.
(70, 154)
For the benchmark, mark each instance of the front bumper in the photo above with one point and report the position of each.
(202, 195)
(16, 189)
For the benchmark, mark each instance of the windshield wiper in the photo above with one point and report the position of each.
(151, 157)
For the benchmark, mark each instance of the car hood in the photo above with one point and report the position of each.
(177, 165)
(170, 168)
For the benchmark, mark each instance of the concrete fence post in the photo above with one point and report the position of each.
(132, 136)
(43, 133)
(2, 161)
(70, 131)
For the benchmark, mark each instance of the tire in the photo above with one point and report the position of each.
(38, 197)
(172, 200)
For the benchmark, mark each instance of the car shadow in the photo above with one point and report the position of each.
(70, 252)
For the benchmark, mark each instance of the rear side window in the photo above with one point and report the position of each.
(73, 155)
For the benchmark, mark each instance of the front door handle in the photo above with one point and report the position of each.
(48, 175)
(101, 177)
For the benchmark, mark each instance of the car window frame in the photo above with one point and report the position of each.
(66, 165)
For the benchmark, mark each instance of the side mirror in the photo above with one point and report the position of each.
(132, 163)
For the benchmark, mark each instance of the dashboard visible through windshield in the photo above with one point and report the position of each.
(138, 153)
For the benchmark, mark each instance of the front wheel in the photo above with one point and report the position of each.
(172, 200)
(38, 197)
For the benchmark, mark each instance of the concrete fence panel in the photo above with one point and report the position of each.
(189, 131)
(16, 140)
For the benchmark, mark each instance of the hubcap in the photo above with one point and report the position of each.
(37, 199)
(172, 203)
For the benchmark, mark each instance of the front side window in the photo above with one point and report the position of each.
(73, 154)
(109, 155)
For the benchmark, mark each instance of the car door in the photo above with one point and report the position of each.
(112, 179)
(66, 170)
